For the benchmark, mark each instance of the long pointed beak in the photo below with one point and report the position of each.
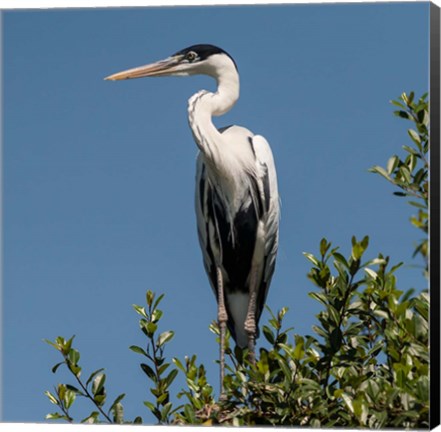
(160, 68)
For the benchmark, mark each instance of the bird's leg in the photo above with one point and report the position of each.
(250, 321)
(222, 319)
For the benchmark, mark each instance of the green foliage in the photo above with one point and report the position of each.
(411, 174)
(156, 369)
(365, 365)
(92, 389)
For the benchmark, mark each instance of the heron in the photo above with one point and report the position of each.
(236, 199)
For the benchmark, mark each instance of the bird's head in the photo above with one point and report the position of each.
(195, 60)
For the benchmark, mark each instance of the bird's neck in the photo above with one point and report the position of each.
(203, 105)
(227, 93)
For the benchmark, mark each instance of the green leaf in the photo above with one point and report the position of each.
(269, 336)
(410, 150)
(92, 418)
(56, 416)
(158, 300)
(299, 351)
(150, 296)
(320, 297)
(365, 242)
(165, 411)
(118, 413)
(418, 205)
(171, 376)
(150, 405)
(282, 312)
(163, 368)
(310, 384)
(162, 398)
(214, 328)
(151, 329)
(165, 337)
(179, 364)
(426, 119)
(357, 251)
(140, 310)
(348, 402)
(156, 315)
(411, 162)
(92, 376)
(398, 104)
(51, 397)
(74, 356)
(74, 389)
(117, 409)
(100, 398)
(405, 173)
(190, 414)
(379, 170)
(311, 258)
(117, 400)
(420, 175)
(67, 346)
(61, 391)
(69, 398)
(54, 369)
(75, 369)
(53, 344)
(156, 413)
(319, 331)
(138, 350)
(148, 371)
(422, 388)
(414, 136)
(341, 259)
(98, 383)
(375, 261)
(324, 246)
(371, 273)
(403, 114)
(392, 164)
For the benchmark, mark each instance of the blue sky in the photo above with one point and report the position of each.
(99, 176)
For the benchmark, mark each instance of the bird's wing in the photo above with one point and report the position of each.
(205, 221)
(268, 188)
(218, 246)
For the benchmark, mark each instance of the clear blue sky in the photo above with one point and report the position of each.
(99, 176)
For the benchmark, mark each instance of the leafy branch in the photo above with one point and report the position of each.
(93, 389)
(154, 353)
(411, 175)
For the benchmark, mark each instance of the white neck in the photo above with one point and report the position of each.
(203, 105)
(227, 92)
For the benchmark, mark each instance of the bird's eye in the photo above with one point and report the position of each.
(191, 56)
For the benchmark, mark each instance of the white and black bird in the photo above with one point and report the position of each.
(237, 202)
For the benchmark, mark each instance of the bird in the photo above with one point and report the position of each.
(236, 196)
